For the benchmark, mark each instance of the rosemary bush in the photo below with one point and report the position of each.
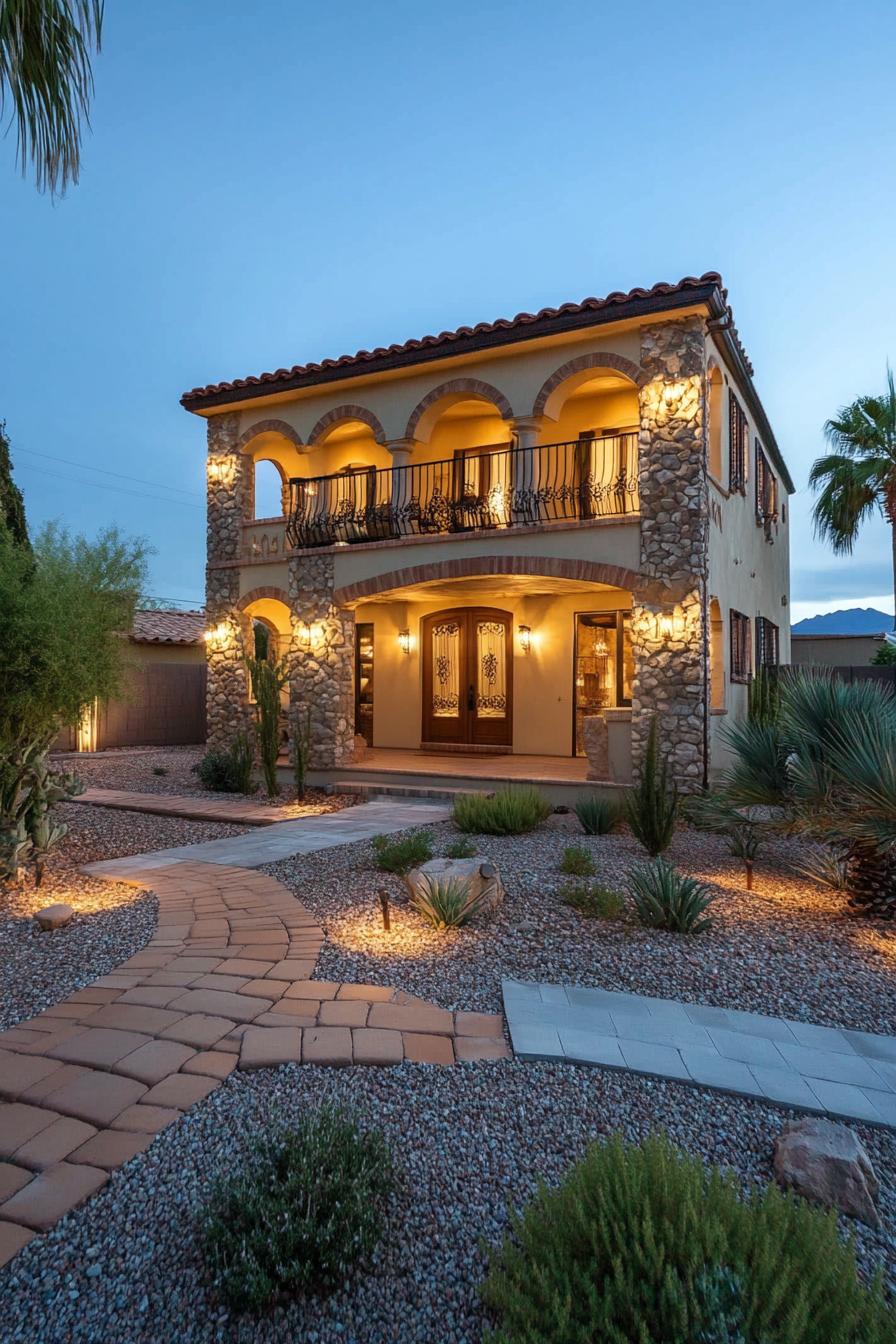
(510, 811)
(400, 856)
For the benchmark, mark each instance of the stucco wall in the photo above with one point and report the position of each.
(835, 650)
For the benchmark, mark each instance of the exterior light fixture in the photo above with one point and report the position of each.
(666, 627)
(525, 637)
(404, 640)
(304, 634)
(216, 638)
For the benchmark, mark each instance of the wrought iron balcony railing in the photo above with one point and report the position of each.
(479, 489)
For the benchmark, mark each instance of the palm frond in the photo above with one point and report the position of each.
(47, 82)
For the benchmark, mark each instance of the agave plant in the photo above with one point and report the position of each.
(446, 902)
(827, 762)
(665, 899)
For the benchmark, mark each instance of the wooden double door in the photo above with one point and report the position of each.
(468, 678)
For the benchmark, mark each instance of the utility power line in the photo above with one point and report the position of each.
(69, 462)
(118, 489)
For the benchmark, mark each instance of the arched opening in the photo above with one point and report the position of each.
(346, 490)
(269, 489)
(594, 414)
(270, 638)
(716, 417)
(716, 655)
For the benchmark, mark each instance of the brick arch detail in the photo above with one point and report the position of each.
(474, 387)
(277, 594)
(606, 360)
(580, 571)
(268, 427)
(348, 412)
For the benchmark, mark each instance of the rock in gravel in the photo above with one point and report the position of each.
(482, 876)
(827, 1163)
(54, 916)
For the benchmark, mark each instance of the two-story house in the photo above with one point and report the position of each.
(529, 536)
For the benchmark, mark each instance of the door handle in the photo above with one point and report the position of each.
(471, 697)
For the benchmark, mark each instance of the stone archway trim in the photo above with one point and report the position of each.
(606, 360)
(268, 427)
(580, 571)
(475, 387)
(255, 594)
(348, 412)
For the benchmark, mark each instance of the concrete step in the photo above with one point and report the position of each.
(364, 788)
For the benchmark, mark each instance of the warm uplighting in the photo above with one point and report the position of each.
(87, 728)
(524, 634)
(216, 637)
(666, 627)
(384, 907)
(404, 641)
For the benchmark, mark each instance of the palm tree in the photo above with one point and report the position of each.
(45, 77)
(859, 475)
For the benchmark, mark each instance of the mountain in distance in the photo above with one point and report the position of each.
(851, 621)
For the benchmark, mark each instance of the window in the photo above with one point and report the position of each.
(738, 444)
(716, 414)
(766, 490)
(766, 643)
(604, 666)
(741, 652)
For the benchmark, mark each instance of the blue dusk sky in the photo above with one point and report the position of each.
(275, 182)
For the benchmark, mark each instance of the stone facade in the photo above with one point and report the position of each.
(669, 642)
(229, 502)
(322, 660)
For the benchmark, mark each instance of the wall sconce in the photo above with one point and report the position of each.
(524, 632)
(305, 635)
(404, 641)
(216, 638)
(217, 469)
(666, 627)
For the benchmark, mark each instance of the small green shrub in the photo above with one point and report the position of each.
(228, 771)
(159, 770)
(598, 816)
(666, 899)
(308, 1205)
(592, 900)
(510, 811)
(447, 902)
(651, 808)
(577, 861)
(400, 856)
(461, 848)
(641, 1244)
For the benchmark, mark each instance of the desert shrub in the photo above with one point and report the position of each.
(301, 749)
(598, 816)
(592, 900)
(29, 790)
(400, 856)
(740, 826)
(577, 861)
(228, 771)
(268, 679)
(665, 899)
(651, 808)
(510, 811)
(307, 1206)
(644, 1243)
(827, 865)
(461, 848)
(447, 902)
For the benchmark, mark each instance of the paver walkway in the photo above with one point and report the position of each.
(225, 983)
(239, 810)
(826, 1069)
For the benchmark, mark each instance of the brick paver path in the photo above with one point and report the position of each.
(237, 810)
(830, 1070)
(226, 982)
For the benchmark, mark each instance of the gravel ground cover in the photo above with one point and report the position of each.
(126, 1268)
(788, 948)
(112, 921)
(135, 770)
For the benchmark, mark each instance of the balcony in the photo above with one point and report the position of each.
(477, 490)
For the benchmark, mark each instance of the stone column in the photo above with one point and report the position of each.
(524, 486)
(668, 628)
(402, 481)
(230, 488)
(322, 673)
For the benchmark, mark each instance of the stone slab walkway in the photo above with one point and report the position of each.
(226, 982)
(236, 810)
(834, 1071)
(304, 835)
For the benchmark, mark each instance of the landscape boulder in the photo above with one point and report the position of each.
(826, 1162)
(482, 876)
(54, 916)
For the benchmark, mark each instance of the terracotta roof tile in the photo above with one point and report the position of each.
(544, 318)
(168, 627)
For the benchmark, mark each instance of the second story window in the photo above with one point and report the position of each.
(766, 643)
(738, 444)
(741, 650)
(766, 490)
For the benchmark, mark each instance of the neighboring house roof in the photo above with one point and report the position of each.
(168, 627)
(706, 289)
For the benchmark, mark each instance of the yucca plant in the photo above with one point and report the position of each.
(598, 816)
(511, 811)
(644, 1243)
(651, 807)
(665, 899)
(447, 902)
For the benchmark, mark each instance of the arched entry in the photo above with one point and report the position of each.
(468, 678)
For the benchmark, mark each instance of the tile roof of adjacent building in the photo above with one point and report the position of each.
(168, 627)
(569, 316)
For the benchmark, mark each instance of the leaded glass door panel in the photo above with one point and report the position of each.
(468, 678)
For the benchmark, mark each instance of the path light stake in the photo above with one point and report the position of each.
(384, 906)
